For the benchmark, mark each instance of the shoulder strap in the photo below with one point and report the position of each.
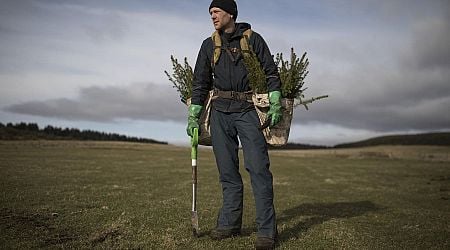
(245, 41)
(217, 44)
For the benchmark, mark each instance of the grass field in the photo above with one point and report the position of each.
(103, 195)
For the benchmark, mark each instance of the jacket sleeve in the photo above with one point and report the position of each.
(265, 57)
(202, 74)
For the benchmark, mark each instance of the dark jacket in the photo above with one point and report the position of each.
(230, 72)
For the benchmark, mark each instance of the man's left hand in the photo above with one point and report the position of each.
(275, 108)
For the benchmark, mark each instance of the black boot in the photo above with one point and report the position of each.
(220, 234)
(264, 243)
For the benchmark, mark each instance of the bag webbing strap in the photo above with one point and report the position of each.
(234, 95)
(245, 41)
(217, 45)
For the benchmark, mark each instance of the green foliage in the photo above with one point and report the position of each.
(181, 78)
(292, 74)
(256, 75)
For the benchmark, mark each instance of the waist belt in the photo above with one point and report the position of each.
(234, 95)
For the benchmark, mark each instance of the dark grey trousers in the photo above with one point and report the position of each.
(225, 129)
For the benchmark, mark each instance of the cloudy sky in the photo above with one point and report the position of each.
(100, 64)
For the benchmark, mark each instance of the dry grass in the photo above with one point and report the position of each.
(423, 153)
(83, 195)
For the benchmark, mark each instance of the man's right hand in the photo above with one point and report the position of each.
(194, 115)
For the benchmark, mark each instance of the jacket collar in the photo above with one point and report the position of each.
(239, 30)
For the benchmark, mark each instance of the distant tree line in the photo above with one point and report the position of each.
(32, 131)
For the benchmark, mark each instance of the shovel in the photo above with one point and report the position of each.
(194, 215)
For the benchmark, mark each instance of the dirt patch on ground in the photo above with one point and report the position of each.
(34, 226)
(110, 232)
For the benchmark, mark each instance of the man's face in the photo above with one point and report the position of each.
(221, 19)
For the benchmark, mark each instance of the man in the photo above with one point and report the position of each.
(233, 115)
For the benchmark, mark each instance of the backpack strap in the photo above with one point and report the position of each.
(217, 43)
(245, 42)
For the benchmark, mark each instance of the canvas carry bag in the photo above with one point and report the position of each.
(204, 137)
(279, 134)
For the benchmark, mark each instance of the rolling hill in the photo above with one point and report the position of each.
(435, 139)
(31, 131)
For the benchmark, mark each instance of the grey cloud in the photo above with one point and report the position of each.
(137, 101)
(7, 30)
(403, 86)
(430, 115)
(49, 17)
(391, 75)
(110, 26)
(431, 44)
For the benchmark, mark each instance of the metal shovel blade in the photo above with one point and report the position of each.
(195, 228)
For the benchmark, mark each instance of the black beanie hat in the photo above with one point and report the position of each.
(226, 5)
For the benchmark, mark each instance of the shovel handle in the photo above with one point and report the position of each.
(194, 218)
(194, 143)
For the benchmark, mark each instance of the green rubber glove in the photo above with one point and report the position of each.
(275, 108)
(194, 115)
